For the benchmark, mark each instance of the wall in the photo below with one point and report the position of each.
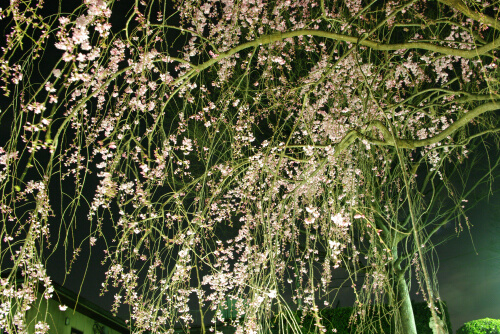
(48, 311)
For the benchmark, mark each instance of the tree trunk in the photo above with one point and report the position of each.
(405, 309)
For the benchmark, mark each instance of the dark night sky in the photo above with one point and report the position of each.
(470, 279)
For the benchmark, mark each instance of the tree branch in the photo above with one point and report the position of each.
(268, 39)
(389, 140)
(411, 144)
(276, 37)
(461, 7)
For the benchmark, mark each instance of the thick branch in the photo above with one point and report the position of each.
(461, 7)
(411, 144)
(389, 139)
(267, 39)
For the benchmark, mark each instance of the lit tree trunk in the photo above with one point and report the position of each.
(405, 308)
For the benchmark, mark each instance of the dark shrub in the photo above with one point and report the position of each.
(422, 316)
(338, 318)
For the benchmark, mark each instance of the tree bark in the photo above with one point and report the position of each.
(405, 308)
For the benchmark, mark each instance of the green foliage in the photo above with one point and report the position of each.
(480, 326)
(339, 318)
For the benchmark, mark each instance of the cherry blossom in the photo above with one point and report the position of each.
(236, 147)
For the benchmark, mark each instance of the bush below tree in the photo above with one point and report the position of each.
(480, 326)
